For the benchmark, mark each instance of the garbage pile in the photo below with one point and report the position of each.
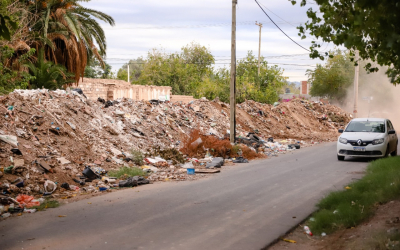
(48, 139)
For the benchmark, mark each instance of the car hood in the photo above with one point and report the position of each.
(365, 136)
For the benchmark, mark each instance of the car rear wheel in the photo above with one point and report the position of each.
(340, 158)
(394, 153)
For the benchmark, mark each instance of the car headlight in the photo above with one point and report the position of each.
(378, 141)
(343, 140)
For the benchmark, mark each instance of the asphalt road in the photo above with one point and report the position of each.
(244, 207)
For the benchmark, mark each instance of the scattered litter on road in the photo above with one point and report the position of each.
(290, 241)
(307, 230)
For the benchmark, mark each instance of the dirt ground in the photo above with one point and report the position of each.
(374, 233)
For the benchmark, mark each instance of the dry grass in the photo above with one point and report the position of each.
(216, 147)
(250, 154)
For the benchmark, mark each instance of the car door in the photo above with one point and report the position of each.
(394, 136)
(390, 138)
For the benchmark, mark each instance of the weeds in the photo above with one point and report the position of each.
(47, 204)
(137, 157)
(348, 208)
(126, 172)
(168, 154)
(384, 240)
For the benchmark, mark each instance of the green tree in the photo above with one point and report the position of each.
(216, 84)
(68, 32)
(11, 79)
(94, 70)
(47, 74)
(264, 87)
(333, 79)
(135, 70)
(369, 26)
(7, 21)
(183, 71)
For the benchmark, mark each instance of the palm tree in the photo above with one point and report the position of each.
(47, 74)
(68, 32)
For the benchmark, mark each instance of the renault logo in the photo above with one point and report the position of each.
(359, 142)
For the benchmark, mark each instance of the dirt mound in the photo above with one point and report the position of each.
(54, 135)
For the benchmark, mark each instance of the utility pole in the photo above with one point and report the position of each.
(128, 73)
(233, 76)
(356, 84)
(259, 47)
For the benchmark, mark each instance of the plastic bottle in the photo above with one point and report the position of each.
(6, 215)
(307, 230)
(29, 211)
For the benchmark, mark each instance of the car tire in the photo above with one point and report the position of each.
(340, 158)
(394, 153)
(387, 151)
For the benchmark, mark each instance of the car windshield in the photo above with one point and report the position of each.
(366, 126)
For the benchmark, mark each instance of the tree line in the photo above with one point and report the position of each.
(192, 71)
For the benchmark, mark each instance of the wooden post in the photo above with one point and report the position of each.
(356, 85)
(233, 76)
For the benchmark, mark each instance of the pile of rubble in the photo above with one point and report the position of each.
(55, 135)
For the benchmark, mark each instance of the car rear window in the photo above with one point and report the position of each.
(366, 126)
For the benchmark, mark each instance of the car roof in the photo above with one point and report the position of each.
(370, 119)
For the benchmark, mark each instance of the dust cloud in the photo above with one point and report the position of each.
(377, 97)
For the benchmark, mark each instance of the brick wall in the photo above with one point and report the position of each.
(110, 89)
(304, 88)
(94, 90)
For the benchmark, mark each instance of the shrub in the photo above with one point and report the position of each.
(126, 172)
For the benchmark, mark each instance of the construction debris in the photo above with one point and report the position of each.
(57, 137)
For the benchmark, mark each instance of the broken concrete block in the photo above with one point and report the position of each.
(115, 151)
(19, 162)
(44, 165)
(10, 139)
(63, 161)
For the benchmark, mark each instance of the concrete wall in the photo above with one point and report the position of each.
(110, 89)
(181, 98)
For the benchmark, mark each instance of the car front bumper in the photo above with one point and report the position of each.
(370, 150)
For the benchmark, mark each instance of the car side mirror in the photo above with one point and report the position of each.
(392, 132)
(340, 130)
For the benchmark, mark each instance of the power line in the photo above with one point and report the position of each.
(189, 26)
(277, 15)
(279, 27)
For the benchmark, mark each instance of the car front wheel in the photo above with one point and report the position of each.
(340, 158)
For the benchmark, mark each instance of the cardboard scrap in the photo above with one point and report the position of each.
(207, 171)
(44, 165)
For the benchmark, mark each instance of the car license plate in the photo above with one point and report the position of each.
(362, 149)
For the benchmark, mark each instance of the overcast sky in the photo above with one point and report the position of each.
(144, 25)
